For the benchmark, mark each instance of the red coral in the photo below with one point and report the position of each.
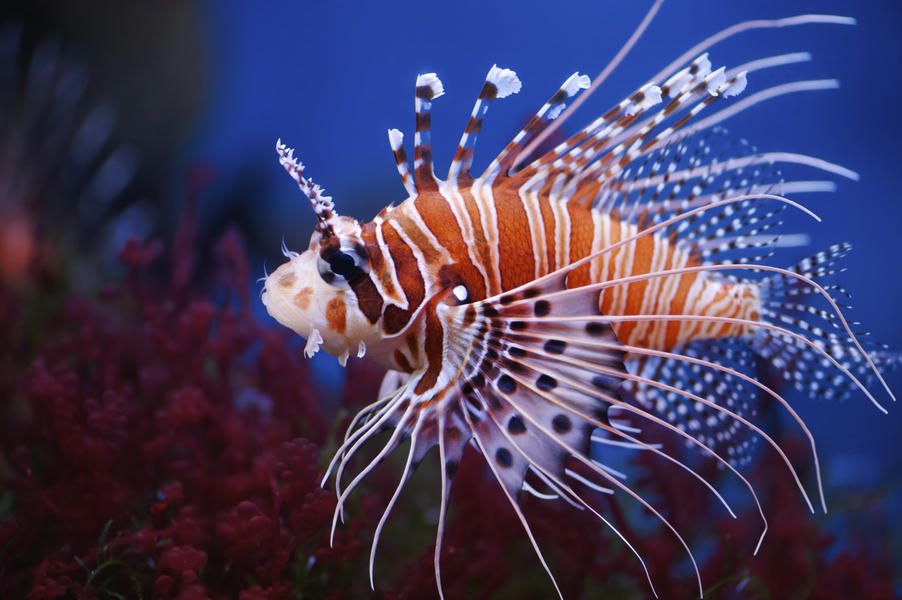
(136, 419)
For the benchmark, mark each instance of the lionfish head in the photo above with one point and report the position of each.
(311, 292)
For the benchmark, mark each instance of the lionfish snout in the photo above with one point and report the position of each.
(296, 296)
(287, 295)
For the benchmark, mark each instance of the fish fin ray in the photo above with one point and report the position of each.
(726, 436)
(788, 302)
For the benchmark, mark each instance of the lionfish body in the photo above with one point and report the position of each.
(535, 237)
(555, 306)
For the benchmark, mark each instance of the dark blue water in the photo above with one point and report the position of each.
(330, 77)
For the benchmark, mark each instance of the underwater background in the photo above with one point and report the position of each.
(162, 437)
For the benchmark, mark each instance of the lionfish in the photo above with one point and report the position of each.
(551, 306)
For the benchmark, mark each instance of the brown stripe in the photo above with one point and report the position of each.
(582, 234)
(489, 91)
(434, 346)
(440, 220)
(423, 175)
(585, 194)
(368, 298)
(559, 96)
(408, 274)
(402, 362)
(400, 218)
(678, 306)
(423, 121)
(424, 92)
(516, 253)
(671, 106)
(548, 223)
(607, 296)
(657, 305)
(481, 244)
(642, 250)
(378, 266)
(463, 155)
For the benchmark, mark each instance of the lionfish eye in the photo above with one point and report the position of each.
(342, 265)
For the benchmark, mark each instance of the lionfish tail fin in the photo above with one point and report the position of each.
(786, 300)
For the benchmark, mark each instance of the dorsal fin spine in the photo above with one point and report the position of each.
(429, 87)
(499, 83)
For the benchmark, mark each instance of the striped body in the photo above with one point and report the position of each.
(493, 242)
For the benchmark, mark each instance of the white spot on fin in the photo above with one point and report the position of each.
(651, 95)
(737, 87)
(715, 81)
(343, 358)
(573, 84)
(555, 111)
(576, 82)
(431, 81)
(395, 138)
(505, 80)
(675, 84)
(704, 64)
(361, 350)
